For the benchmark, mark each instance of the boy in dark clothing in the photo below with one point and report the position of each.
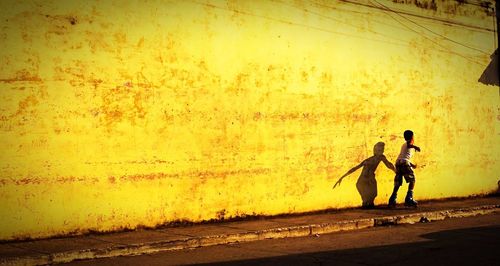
(404, 168)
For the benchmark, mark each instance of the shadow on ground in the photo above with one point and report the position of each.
(471, 246)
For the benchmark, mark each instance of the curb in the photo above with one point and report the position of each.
(273, 233)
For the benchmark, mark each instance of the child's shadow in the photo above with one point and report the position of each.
(367, 184)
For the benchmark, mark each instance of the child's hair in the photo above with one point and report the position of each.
(408, 135)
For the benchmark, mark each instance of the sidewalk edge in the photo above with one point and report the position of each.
(272, 233)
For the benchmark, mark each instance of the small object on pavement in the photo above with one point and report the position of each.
(424, 219)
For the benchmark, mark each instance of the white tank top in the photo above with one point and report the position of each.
(406, 153)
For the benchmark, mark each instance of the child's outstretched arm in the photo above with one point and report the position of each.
(413, 146)
(348, 173)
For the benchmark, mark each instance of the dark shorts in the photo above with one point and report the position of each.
(404, 169)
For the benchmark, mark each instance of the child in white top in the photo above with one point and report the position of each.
(404, 167)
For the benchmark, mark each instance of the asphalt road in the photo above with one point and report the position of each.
(465, 241)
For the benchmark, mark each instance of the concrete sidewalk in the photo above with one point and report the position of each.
(59, 250)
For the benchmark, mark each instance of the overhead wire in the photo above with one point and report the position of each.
(339, 21)
(357, 12)
(442, 22)
(406, 44)
(297, 24)
(449, 22)
(435, 33)
(405, 28)
(446, 50)
(429, 39)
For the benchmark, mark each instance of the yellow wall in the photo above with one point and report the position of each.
(118, 114)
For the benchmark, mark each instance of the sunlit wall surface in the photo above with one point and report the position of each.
(119, 114)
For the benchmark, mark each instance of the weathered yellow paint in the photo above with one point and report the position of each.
(119, 114)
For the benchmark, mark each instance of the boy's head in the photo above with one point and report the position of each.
(408, 135)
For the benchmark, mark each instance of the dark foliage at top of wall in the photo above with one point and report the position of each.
(456, 7)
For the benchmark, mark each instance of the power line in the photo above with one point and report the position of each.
(406, 28)
(405, 44)
(340, 21)
(427, 38)
(420, 16)
(392, 10)
(356, 12)
(299, 24)
(442, 36)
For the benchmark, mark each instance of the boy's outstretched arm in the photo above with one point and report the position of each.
(413, 146)
(348, 173)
